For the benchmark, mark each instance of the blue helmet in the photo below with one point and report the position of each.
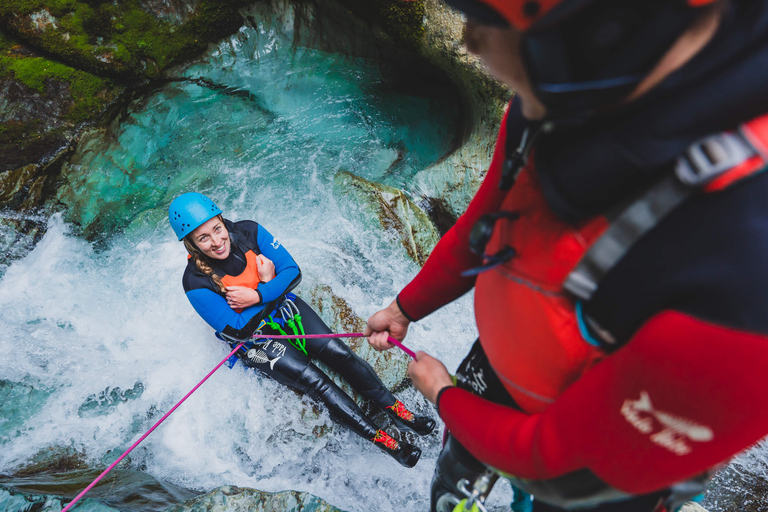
(188, 211)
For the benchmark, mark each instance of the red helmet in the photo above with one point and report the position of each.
(522, 14)
(582, 55)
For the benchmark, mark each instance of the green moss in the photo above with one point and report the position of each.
(87, 90)
(20, 7)
(405, 20)
(130, 40)
(402, 20)
(122, 54)
(15, 131)
(72, 21)
(24, 7)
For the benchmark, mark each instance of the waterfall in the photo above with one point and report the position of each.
(97, 339)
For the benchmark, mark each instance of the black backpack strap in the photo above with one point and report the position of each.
(705, 160)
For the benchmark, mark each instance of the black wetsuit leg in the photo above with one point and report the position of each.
(455, 462)
(340, 358)
(287, 365)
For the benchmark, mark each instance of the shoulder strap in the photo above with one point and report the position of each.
(241, 241)
(709, 164)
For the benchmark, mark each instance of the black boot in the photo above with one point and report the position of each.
(404, 453)
(422, 425)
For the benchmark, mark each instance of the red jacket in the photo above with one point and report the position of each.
(683, 395)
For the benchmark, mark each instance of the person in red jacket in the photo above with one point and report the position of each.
(617, 249)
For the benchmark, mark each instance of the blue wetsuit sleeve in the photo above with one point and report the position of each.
(287, 273)
(213, 308)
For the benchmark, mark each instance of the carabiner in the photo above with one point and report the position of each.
(285, 310)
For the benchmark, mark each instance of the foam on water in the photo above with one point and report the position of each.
(100, 340)
(101, 324)
(78, 322)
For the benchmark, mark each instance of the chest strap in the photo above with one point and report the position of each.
(710, 164)
(242, 242)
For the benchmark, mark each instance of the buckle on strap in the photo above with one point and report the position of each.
(708, 158)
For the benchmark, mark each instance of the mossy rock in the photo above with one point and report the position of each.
(11, 182)
(64, 63)
(237, 499)
(391, 366)
(396, 213)
(120, 39)
(42, 103)
(78, 95)
(402, 21)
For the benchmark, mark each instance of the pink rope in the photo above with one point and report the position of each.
(351, 335)
(112, 466)
(148, 432)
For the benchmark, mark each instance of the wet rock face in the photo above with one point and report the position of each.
(236, 499)
(34, 124)
(41, 104)
(51, 488)
(22, 104)
(68, 61)
(176, 12)
(396, 213)
(390, 366)
(63, 64)
(18, 235)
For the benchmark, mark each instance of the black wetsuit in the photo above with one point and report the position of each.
(279, 358)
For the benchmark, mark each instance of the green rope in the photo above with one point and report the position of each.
(301, 328)
(299, 343)
(276, 326)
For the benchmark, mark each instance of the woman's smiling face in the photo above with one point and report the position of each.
(212, 238)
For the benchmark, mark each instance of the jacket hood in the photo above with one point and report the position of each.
(588, 169)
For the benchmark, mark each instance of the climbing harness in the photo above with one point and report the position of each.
(474, 500)
(290, 316)
(287, 314)
(298, 339)
(392, 340)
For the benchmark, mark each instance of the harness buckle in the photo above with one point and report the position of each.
(475, 496)
(708, 158)
(229, 339)
(257, 338)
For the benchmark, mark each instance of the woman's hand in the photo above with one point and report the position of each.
(429, 375)
(241, 297)
(265, 267)
(385, 323)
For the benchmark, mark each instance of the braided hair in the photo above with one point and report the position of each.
(201, 261)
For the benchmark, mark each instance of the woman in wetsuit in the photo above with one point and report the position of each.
(238, 279)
